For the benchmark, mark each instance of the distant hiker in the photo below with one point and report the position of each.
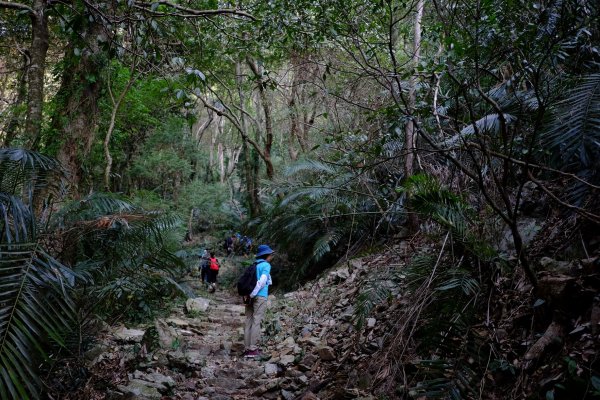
(256, 305)
(204, 266)
(229, 242)
(213, 271)
(247, 244)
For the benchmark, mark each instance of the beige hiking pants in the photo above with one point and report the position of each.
(255, 311)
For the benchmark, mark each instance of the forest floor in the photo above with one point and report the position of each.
(316, 345)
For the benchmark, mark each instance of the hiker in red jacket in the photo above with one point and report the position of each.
(213, 271)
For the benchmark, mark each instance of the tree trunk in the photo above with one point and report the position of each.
(111, 126)
(249, 171)
(294, 129)
(80, 90)
(266, 106)
(409, 131)
(233, 157)
(14, 121)
(221, 156)
(36, 72)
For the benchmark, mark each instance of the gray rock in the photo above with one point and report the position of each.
(180, 323)
(287, 359)
(271, 369)
(371, 322)
(550, 264)
(198, 304)
(167, 336)
(339, 275)
(138, 389)
(94, 354)
(528, 228)
(287, 395)
(154, 377)
(356, 264)
(129, 335)
(226, 383)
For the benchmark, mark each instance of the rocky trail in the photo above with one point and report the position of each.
(311, 345)
(196, 354)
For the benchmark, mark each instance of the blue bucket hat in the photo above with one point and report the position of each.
(264, 249)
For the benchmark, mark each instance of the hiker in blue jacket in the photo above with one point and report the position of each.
(255, 309)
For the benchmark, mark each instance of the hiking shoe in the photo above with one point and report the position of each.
(251, 353)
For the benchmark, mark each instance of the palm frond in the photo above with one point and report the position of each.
(462, 281)
(23, 172)
(17, 223)
(91, 207)
(428, 197)
(374, 294)
(313, 193)
(324, 244)
(488, 124)
(36, 307)
(312, 166)
(572, 132)
(445, 379)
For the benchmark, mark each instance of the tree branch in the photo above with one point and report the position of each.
(196, 13)
(16, 6)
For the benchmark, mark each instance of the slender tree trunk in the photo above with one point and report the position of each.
(221, 157)
(37, 68)
(249, 172)
(266, 106)
(233, 157)
(111, 126)
(409, 136)
(294, 129)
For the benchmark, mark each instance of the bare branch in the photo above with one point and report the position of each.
(191, 12)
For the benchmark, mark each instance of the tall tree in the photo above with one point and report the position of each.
(38, 14)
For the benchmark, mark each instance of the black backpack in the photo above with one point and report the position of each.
(247, 281)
